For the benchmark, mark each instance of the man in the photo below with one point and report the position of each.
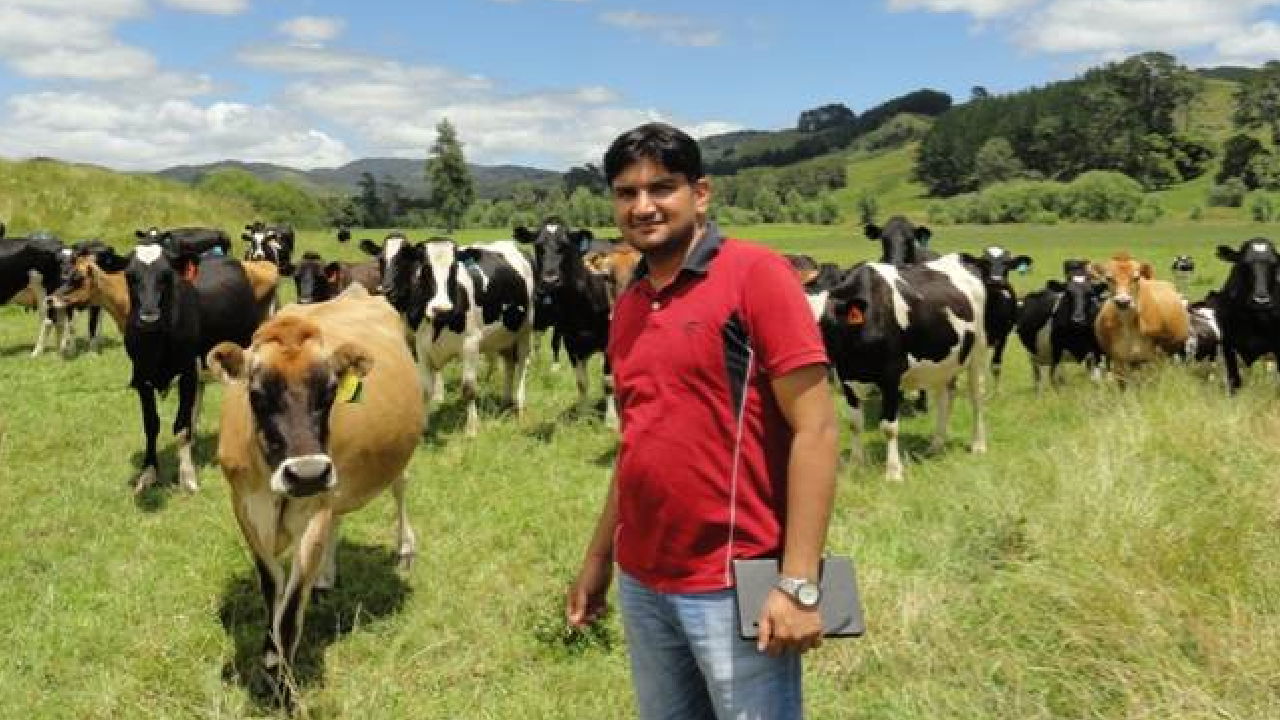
(728, 449)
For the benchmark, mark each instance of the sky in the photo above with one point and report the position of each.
(149, 84)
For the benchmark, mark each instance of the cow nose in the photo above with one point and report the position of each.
(551, 278)
(305, 475)
(1262, 300)
(149, 317)
(1123, 301)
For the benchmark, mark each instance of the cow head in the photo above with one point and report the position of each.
(152, 234)
(1252, 280)
(400, 264)
(312, 279)
(995, 263)
(557, 252)
(154, 274)
(293, 379)
(900, 241)
(75, 286)
(1081, 295)
(439, 280)
(856, 302)
(1183, 264)
(264, 244)
(1124, 277)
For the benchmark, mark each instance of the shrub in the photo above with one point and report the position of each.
(939, 213)
(1263, 206)
(1229, 193)
(1102, 196)
(1045, 217)
(1197, 212)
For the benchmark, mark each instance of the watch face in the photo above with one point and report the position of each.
(808, 594)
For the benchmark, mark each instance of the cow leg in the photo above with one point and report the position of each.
(36, 286)
(891, 397)
(857, 423)
(95, 339)
(946, 398)
(64, 331)
(327, 575)
(978, 444)
(610, 405)
(1233, 367)
(291, 607)
(184, 426)
(580, 377)
(406, 541)
(557, 341)
(997, 359)
(151, 428)
(1036, 372)
(470, 363)
(519, 372)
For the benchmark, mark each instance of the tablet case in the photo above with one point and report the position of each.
(840, 607)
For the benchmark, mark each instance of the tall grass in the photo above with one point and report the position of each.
(1112, 556)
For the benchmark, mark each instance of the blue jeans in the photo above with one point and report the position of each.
(689, 662)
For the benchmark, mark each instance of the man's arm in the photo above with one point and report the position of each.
(806, 403)
(586, 598)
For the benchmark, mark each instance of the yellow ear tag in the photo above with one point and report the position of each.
(349, 387)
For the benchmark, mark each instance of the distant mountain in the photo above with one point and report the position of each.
(490, 180)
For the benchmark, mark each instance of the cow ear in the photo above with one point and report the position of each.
(871, 231)
(1100, 289)
(287, 269)
(333, 271)
(370, 247)
(246, 236)
(140, 234)
(967, 258)
(581, 236)
(1023, 262)
(923, 234)
(228, 361)
(349, 357)
(1228, 253)
(1146, 271)
(344, 235)
(523, 234)
(1056, 286)
(466, 255)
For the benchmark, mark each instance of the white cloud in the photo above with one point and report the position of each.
(977, 8)
(1106, 25)
(213, 7)
(311, 31)
(1253, 45)
(680, 30)
(100, 129)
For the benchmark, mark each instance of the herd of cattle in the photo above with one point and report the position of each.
(323, 407)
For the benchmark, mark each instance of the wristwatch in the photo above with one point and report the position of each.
(804, 591)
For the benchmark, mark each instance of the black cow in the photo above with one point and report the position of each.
(1001, 312)
(1057, 322)
(578, 300)
(30, 268)
(180, 306)
(1249, 310)
(317, 281)
(901, 243)
(906, 328)
(270, 242)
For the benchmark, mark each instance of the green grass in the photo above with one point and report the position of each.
(1113, 556)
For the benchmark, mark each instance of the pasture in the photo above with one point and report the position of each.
(1115, 554)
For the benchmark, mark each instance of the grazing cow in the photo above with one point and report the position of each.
(1143, 318)
(1204, 336)
(579, 300)
(179, 307)
(1184, 270)
(1248, 306)
(85, 284)
(905, 328)
(901, 243)
(270, 242)
(320, 414)
(187, 240)
(30, 268)
(1057, 322)
(318, 281)
(474, 300)
(1001, 312)
(58, 300)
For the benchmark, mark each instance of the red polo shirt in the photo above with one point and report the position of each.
(684, 361)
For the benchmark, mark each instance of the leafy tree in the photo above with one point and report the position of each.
(589, 176)
(825, 117)
(978, 92)
(373, 214)
(996, 162)
(1258, 101)
(1237, 152)
(451, 189)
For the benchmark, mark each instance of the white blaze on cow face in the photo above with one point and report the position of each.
(392, 248)
(148, 254)
(818, 303)
(995, 251)
(440, 259)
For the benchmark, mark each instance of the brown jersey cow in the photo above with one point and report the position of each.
(321, 413)
(1143, 319)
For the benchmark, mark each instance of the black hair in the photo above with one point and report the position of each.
(659, 142)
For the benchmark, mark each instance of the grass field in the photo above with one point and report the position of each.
(1113, 556)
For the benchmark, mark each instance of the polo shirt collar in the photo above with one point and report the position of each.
(699, 259)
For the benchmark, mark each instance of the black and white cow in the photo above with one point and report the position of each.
(901, 243)
(270, 242)
(1001, 312)
(30, 269)
(399, 265)
(1204, 336)
(317, 281)
(578, 300)
(180, 306)
(1184, 271)
(474, 300)
(906, 328)
(1249, 305)
(1057, 322)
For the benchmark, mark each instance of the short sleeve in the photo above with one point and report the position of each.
(783, 331)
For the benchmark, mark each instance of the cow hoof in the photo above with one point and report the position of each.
(893, 474)
(936, 446)
(978, 448)
(404, 561)
(187, 478)
(145, 480)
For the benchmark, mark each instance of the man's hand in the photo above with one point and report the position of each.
(586, 599)
(784, 625)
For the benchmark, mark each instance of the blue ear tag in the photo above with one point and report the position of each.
(1022, 268)
(583, 245)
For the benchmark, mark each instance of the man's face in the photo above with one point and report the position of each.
(656, 208)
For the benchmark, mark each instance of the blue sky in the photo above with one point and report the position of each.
(146, 84)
